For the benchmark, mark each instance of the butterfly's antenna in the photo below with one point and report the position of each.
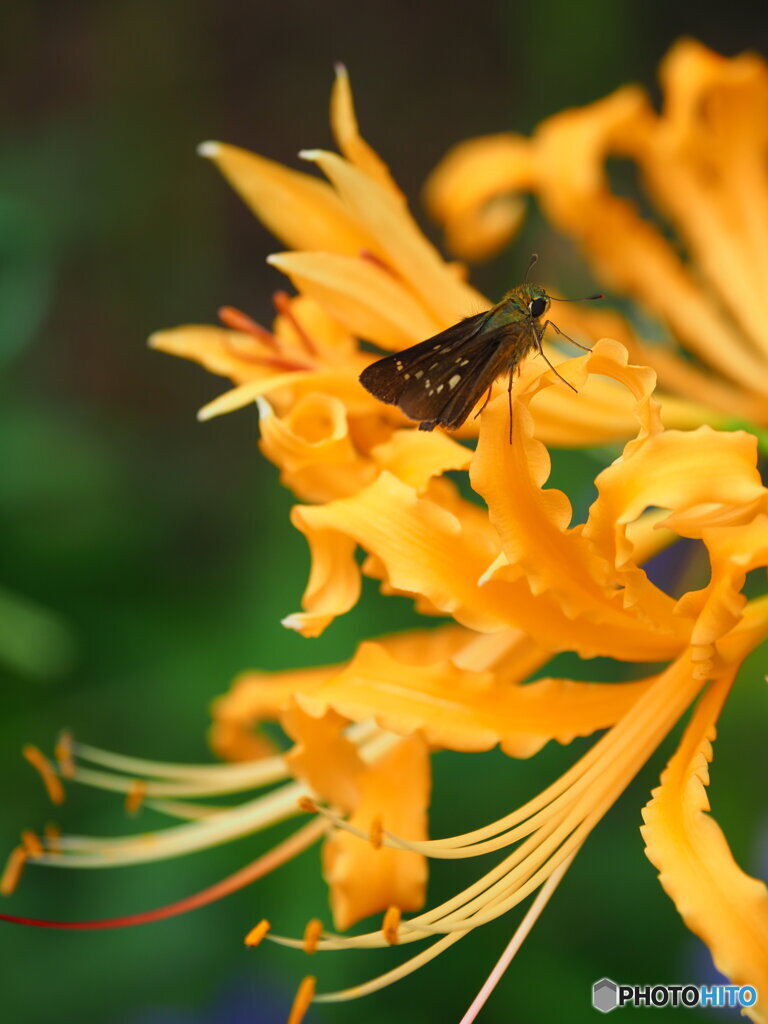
(586, 298)
(531, 263)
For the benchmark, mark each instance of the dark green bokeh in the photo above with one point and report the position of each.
(153, 556)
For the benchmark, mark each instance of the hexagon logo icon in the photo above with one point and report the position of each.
(605, 995)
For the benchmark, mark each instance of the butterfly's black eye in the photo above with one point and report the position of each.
(537, 307)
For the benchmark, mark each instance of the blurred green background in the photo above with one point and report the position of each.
(146, 559)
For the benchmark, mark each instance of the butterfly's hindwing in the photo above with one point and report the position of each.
(445, 396)
(500, 352)
(389, 378)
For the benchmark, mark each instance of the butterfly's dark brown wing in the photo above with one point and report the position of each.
(439, 381)
(451, 393)
(389, 377)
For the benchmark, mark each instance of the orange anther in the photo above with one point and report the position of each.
(52, 837)
(376, 834)
(307, 804)
(255, 935)
(312, 934)
(303, 998)
(391, 924)
(13, 869)
(63, 752)
(32, 844)
(51, 781)
(134, 798)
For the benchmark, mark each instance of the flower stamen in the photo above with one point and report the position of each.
(390, 927)
(376, 834)
(134, 798)
(12, 872)
(282, 303)
(31, 842)
(256, 935)
(519, 937)
(243, 324)
(263, 865)
(312, 934)
(52, 834)
(377, 261)
(303, 998)
(63, 753)
(51, 781)
(239, 321)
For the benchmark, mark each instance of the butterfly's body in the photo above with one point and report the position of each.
(440, 380)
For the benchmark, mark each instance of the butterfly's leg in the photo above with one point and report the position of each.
(487, 400)
(554, 370)
(548, 323)
(509, 402)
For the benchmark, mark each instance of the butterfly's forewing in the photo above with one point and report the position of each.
(388, 378)
(445, 396)
(439, 381)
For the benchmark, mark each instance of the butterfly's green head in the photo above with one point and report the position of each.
(526, 300)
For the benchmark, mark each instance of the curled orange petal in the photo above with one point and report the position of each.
(365, 880)
(719, 902)
(463, 710)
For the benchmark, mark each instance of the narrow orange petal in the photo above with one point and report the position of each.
(347, 134)
(302, 211)
(717, 900)
(218, 349)
(371, 303)
(400, 241)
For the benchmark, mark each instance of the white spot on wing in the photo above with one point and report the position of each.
(454, 381)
